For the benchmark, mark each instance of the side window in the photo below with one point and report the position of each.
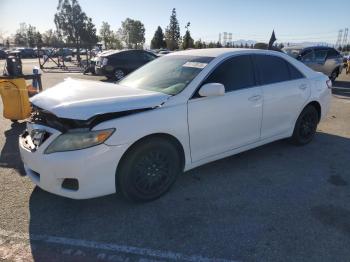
(320, 55)
(332, 53)
(119, 57)
(294, 73)
(234, 73)
(308, 56)
(132, 55)
(147, 56)
(271, 69)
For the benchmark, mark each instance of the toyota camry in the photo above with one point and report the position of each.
(87, 139)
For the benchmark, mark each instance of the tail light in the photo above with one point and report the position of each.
(329, 84)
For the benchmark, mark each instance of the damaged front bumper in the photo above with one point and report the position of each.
(91, 170)
(79, 174)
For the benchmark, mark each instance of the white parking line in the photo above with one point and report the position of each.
(109, 247)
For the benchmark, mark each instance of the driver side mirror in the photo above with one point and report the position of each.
(212, 89)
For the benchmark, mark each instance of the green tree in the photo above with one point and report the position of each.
(7, 45)
(52, 38)
(21, 38)
(198, 44)
(172, 32)
(88, 35)
(38, 39)
(158, 41)
(115, 42)
(211, 44)
(73, 24)
(106, 34)
(187, 39)
(132, 32)
(261, 46)
(31, 36)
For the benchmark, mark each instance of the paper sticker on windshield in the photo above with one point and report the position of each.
(195, 65)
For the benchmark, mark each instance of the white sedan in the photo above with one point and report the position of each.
(88, 139)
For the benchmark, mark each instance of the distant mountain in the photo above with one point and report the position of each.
(305, 44)
(242, 41)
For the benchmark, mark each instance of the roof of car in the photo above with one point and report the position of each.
(307, 47)
(215, 52)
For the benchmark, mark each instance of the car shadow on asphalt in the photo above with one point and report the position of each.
(341, 88)
(9, 157)
(273, 195)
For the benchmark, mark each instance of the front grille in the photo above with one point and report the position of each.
(43, 117)
(32, 143)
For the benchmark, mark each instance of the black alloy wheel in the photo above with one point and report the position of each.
(306, 125)
(148, 170)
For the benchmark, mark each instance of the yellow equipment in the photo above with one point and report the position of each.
(14, 95)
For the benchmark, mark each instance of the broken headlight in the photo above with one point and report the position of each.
(78, 140)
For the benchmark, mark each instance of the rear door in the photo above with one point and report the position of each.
(123, 60)
(138, 59)
(285, 91)
(334, 60)
(308, 58)
(319, 64)
(222, 123)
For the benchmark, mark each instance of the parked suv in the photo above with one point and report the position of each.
(323, 59)
(120, 63)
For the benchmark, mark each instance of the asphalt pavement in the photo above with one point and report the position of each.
(278, 202)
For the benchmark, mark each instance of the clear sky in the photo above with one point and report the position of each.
(293, 20)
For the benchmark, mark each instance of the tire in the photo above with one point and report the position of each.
(119, 74)
(334, 75)
(148, 170)
(305, 127)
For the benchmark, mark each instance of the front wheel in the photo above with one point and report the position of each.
(305, 127)
(148, 170)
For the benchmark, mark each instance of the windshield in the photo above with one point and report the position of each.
(293, 52)
(168, 74)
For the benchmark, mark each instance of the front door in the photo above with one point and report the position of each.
(222, 123)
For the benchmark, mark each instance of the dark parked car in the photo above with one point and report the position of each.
(3, 54)
(27, 52)
(118, 64)
(322, 59)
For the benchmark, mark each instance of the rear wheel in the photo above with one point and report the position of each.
(334, 75)
(119, 74)
(305, 127)
(148, 170)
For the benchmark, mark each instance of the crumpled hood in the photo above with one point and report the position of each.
(81, 99)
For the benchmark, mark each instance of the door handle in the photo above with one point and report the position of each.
(303, 86)
(254, 98)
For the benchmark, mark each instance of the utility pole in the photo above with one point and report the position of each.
(345, 37)
(340, 35)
